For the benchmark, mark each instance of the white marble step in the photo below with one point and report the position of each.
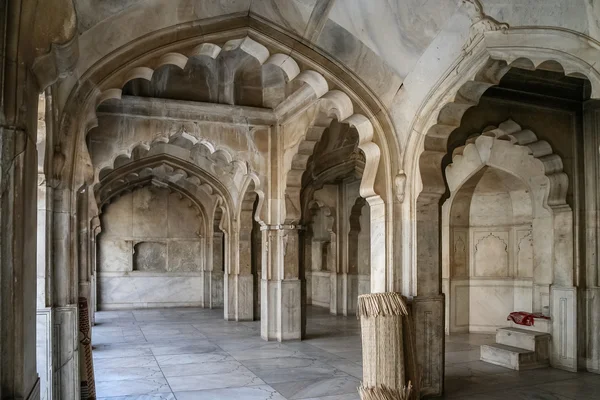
(539, 325)
(511, 357)
(524, 339)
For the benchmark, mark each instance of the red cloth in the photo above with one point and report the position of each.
(524, 318)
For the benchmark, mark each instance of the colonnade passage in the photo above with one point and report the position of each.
(218, 182)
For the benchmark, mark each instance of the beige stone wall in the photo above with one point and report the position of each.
(150, 253)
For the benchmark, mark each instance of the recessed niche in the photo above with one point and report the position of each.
(150, 257)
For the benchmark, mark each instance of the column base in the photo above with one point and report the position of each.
(281, 310)
(428, 317)
(35, 392)
(44, 351)
(240, 298)
(213, 282)
(351, 290)
(344, 294)
(591, 310)
(563, 311)
(66, 357)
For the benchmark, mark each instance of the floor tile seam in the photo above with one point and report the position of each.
(213, 373)
(230, 388)
(164, 377)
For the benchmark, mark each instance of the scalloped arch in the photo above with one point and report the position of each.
(524, 48)
(334, 105)
(186, 147)
(468, 95)
(517, 151)
(165, 173)
(225, 55)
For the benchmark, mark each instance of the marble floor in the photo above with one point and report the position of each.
(193, 354)
(469, 378)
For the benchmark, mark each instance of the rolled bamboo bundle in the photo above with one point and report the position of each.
(381, 317)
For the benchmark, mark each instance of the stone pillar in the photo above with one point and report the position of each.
(207, 270)
(281, 309)
(240, 279)
(83, 240)
(336, 287)
(18, 214)
(18, 376)
(428, 305)
(44, 313)
(214, 279)
(65, 288)
(588, 321)
(95, 229)
(256, 268)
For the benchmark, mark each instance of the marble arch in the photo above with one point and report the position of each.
(224, 174)
(458, 92)
(336, 106)
(84, 96)
(82, 103)
(485, 60)
(519, 152)
(377, 141)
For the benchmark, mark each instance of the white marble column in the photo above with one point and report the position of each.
(428, 305)
(281, 309)
(65, 293)
(214, 277)
(240, 279)
(44, 313)
(18, 375)
(18, 211)
(588, 321)
(95, 229)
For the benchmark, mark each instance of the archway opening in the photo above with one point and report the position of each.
(542, 112)
(490, 252)
(336, 222)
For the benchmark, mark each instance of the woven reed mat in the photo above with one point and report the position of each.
(381, 316)
(88, 385)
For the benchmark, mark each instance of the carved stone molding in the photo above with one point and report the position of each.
(481, 23)
(57, 63)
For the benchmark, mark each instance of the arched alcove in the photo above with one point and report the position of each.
(488, 270)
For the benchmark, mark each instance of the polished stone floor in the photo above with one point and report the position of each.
(469, 378)
(192, 354)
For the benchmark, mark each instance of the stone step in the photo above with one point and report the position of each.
(524, 339)
(539, 325)
(511, 357)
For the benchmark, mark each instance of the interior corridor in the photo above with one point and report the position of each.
(193, 354)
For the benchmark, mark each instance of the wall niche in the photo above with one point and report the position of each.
(150, 256)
